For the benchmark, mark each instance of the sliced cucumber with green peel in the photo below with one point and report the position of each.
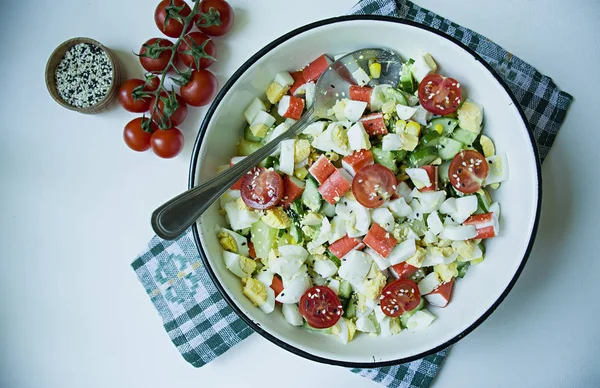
(423, 156)
(443, 171)
(431, 138)
(264, 238)
(407, 82)
(248, 135)
(404, 317)
(448, 124)
(385, 158)
(350, 309)
(448, 148)
(246, 147)
(345, 289)
(400, 155)
(462, 267)
(464, 136)
(311, 196)
(309, 327)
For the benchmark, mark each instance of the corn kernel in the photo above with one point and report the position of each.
(439, 128)
(301, 173)
(375, 69)
(332, 156)
(413, 128)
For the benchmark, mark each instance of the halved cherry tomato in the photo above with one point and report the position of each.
(439, 95)
(373, 185)
(262, 188)
(155, 54)
(171, 110)
(399, 296)
(218, 21)
(167, 143)
(321, 307)
(467, 171)
(194, 52)
(173, 27)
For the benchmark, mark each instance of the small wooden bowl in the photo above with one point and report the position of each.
(58, 55)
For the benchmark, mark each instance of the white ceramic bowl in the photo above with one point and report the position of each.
(485, 286)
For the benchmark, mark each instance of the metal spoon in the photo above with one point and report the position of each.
(175, 216)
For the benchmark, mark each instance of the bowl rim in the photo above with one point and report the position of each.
(194, 163)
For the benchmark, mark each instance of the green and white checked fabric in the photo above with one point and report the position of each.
(196, 317)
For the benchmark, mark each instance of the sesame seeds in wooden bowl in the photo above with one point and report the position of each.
(83, 75)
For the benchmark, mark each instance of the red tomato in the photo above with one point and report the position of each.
(155, 54)
(277, 284)
(403, 270)
(137, 134)
(173, 14)
(167, 143)
(440, 95)
(321, 307)
(194, 52)
(399, 296)
(133, 95)
(217, 17)
(200, 89)
(432, 172)
(373, 185)
(171, 110)
(262, 188)
(467, 171)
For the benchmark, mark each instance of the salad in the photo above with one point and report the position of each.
(366, 220)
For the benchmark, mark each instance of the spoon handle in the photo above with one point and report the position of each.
(172, 218)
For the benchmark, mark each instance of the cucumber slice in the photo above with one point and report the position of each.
(248, 135)
(400, 155)
(407, 82)
(271, 161)
(350, 309)
(448, 124)
(311, 196)
(431, 138)
(464, 136)
(334, 258)
(443, 171)
(404, 317)
(385, 158)
(483, 204)
(462, 267)
(264, 238)
(345, 289)
(310, 328)
(423, 156)
(418, 226)
(448, 148)
(327, 209)
(246, 147)
(396, 95)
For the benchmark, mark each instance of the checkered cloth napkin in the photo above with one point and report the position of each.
(199, 321)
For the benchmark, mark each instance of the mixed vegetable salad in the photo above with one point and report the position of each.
(367, 218)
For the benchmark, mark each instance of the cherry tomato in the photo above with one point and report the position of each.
(399, 296)
(262, 188)
(137, 134)
(171, 110)
(191, 52)
(321, 307)
(467, 171)
(440, 95)
(200, 89)
(133, 94)
(176, 12)
(155, 54)
(167, 143)
(212, 24)
(373, 185)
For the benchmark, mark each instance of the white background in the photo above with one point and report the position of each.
(75, 206)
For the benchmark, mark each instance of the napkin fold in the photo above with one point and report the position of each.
(198, 320)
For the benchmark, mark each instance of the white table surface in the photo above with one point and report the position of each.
(75, 206)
